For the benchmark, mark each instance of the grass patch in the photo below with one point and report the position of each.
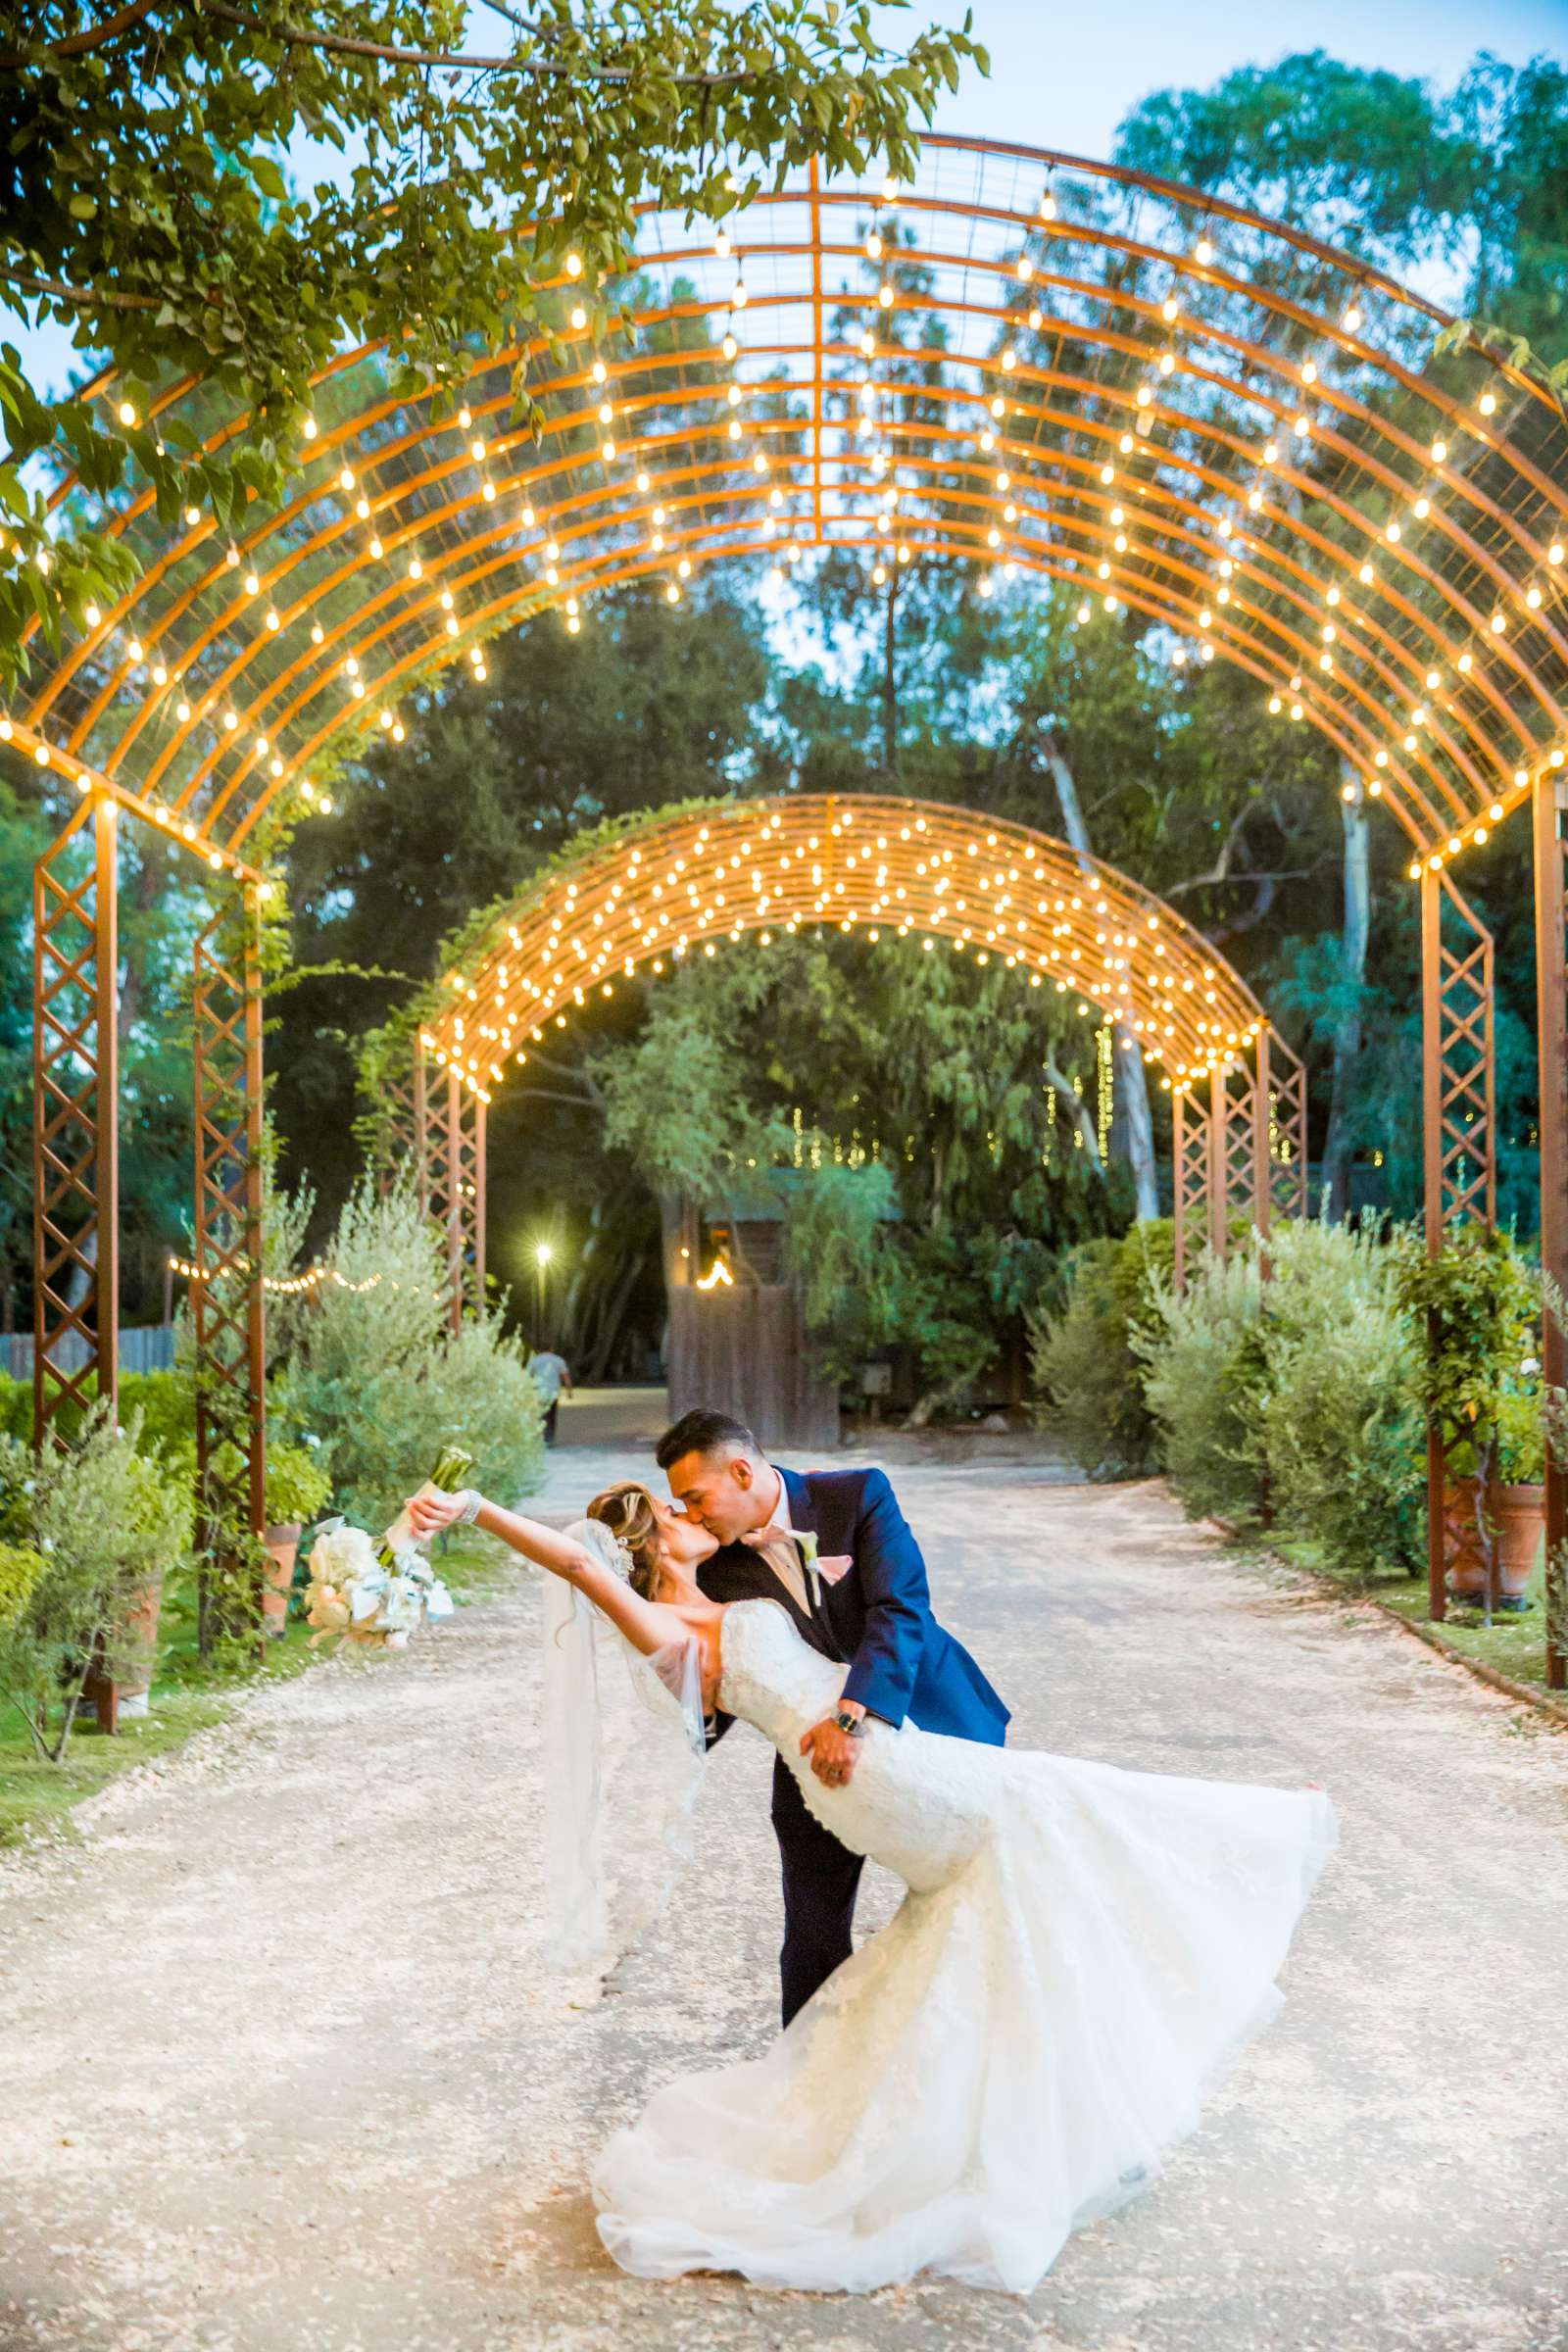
(37, 1799)
(1514, 1643)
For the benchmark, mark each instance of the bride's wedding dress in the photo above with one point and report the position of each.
(1081, 1950)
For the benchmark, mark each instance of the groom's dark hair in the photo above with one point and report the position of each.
(703, 1431)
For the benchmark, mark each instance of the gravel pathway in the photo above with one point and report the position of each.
(278, 2069)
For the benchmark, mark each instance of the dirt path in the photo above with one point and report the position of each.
(278, 2069)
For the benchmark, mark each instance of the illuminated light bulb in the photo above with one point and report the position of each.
(126, 413)
(1533, 596)
(1375, 787)
(884, 296)
(552, 576)
(579, 318)
(1333, 596)
(134, 649)
(1465, 663)
(182, 711)
(1365, 575)
(1309, 372)
(1499, 621)
(91, 615)
(345, 480)
(671, 594)
(658, 513)
(317, 632)
(1554, 552)
(734, 401)
(1346, 792)
(775, 576)
(1047, 206)
(574, 265)
(273, 622)
(376, 544)
(452, 630)
(1352, 319)
(684, 568)
(398, 732)
(193, 515)
(416, 568)
(873, 247)
(987, 439)
(1108, 474)
(476, 450)
(721, 244)
(40, 752)
(327, 803)
(1026, 270)
(868, 343)
(309, 427)
(527, 518)
(1254, 500)
(1271, 451)
(230, 721)
(275, 766)
(1422, 509)
(573, 625)
(553, 551)
(1167, 361)
(1037, 318)
(160, 674)
(890, 191)
(879, 574)
(1145, 396)
(1203, 253)
(252, 584)
(1301, 427)
(357, 685)
(1488, 403)
(608, 450)
(1521, 778)
(1495, 813)
(738, 298)
(1169, 309)
(1275, 705)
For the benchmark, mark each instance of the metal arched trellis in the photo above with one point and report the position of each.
(1050, 368)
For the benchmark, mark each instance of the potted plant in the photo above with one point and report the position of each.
(298, 1490)
(1478, 1306)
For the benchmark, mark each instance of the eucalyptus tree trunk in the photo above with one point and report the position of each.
(1353, 936)
(1132, 1077)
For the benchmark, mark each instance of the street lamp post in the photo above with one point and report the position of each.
(542, 1256)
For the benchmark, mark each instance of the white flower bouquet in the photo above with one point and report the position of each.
(376, 1595)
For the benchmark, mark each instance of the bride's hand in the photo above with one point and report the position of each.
(430, 1513)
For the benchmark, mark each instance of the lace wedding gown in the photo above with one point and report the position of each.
(1080, 1951)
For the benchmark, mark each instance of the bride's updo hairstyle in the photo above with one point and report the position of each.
(627, 1510)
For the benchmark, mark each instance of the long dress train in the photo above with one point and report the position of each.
(1081, 1951)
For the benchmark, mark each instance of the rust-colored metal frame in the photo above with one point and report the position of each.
(76, 1148)
(228, 1287)
(402, 1141)
(1242, 1154)
(1449, 686)
(1552, 1019)
(456, 1176)
(1459, 1128)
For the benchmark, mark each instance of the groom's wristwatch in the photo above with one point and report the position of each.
(855, 1725)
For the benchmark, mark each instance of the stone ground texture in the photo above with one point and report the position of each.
(279, 2070)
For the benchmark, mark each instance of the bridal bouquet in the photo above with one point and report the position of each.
(377, 1595)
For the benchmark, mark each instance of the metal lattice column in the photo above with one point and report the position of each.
(403, 1144)
(226, 1289)
(1190, 1188)
(1550, 802)
(75, 1154)
(457, 1201)
(1459, 1123)
(1280, 1179)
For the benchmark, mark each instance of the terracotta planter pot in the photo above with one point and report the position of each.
(132, 1696)
(1519, 1515)
(283, 1545)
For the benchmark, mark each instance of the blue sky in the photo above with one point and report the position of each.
(1064, 76)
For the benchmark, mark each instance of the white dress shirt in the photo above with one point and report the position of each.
(784, 1558)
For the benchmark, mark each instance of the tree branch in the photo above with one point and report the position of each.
(343, 45)
(83, 296)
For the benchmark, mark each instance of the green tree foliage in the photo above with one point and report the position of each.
(105, 1518)
(381, 1381)
(148, 203)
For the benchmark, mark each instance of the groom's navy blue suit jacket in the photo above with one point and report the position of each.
(877, 1616)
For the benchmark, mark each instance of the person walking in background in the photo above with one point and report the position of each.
(550, 1375)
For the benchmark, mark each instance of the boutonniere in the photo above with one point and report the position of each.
(821, 1567)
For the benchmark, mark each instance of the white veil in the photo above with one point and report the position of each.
(622, 1746)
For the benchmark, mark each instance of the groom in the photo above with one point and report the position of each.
(835, 1549)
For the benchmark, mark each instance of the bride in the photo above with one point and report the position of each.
(1081, 1951)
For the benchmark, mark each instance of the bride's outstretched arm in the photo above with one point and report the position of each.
(648, 1625)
